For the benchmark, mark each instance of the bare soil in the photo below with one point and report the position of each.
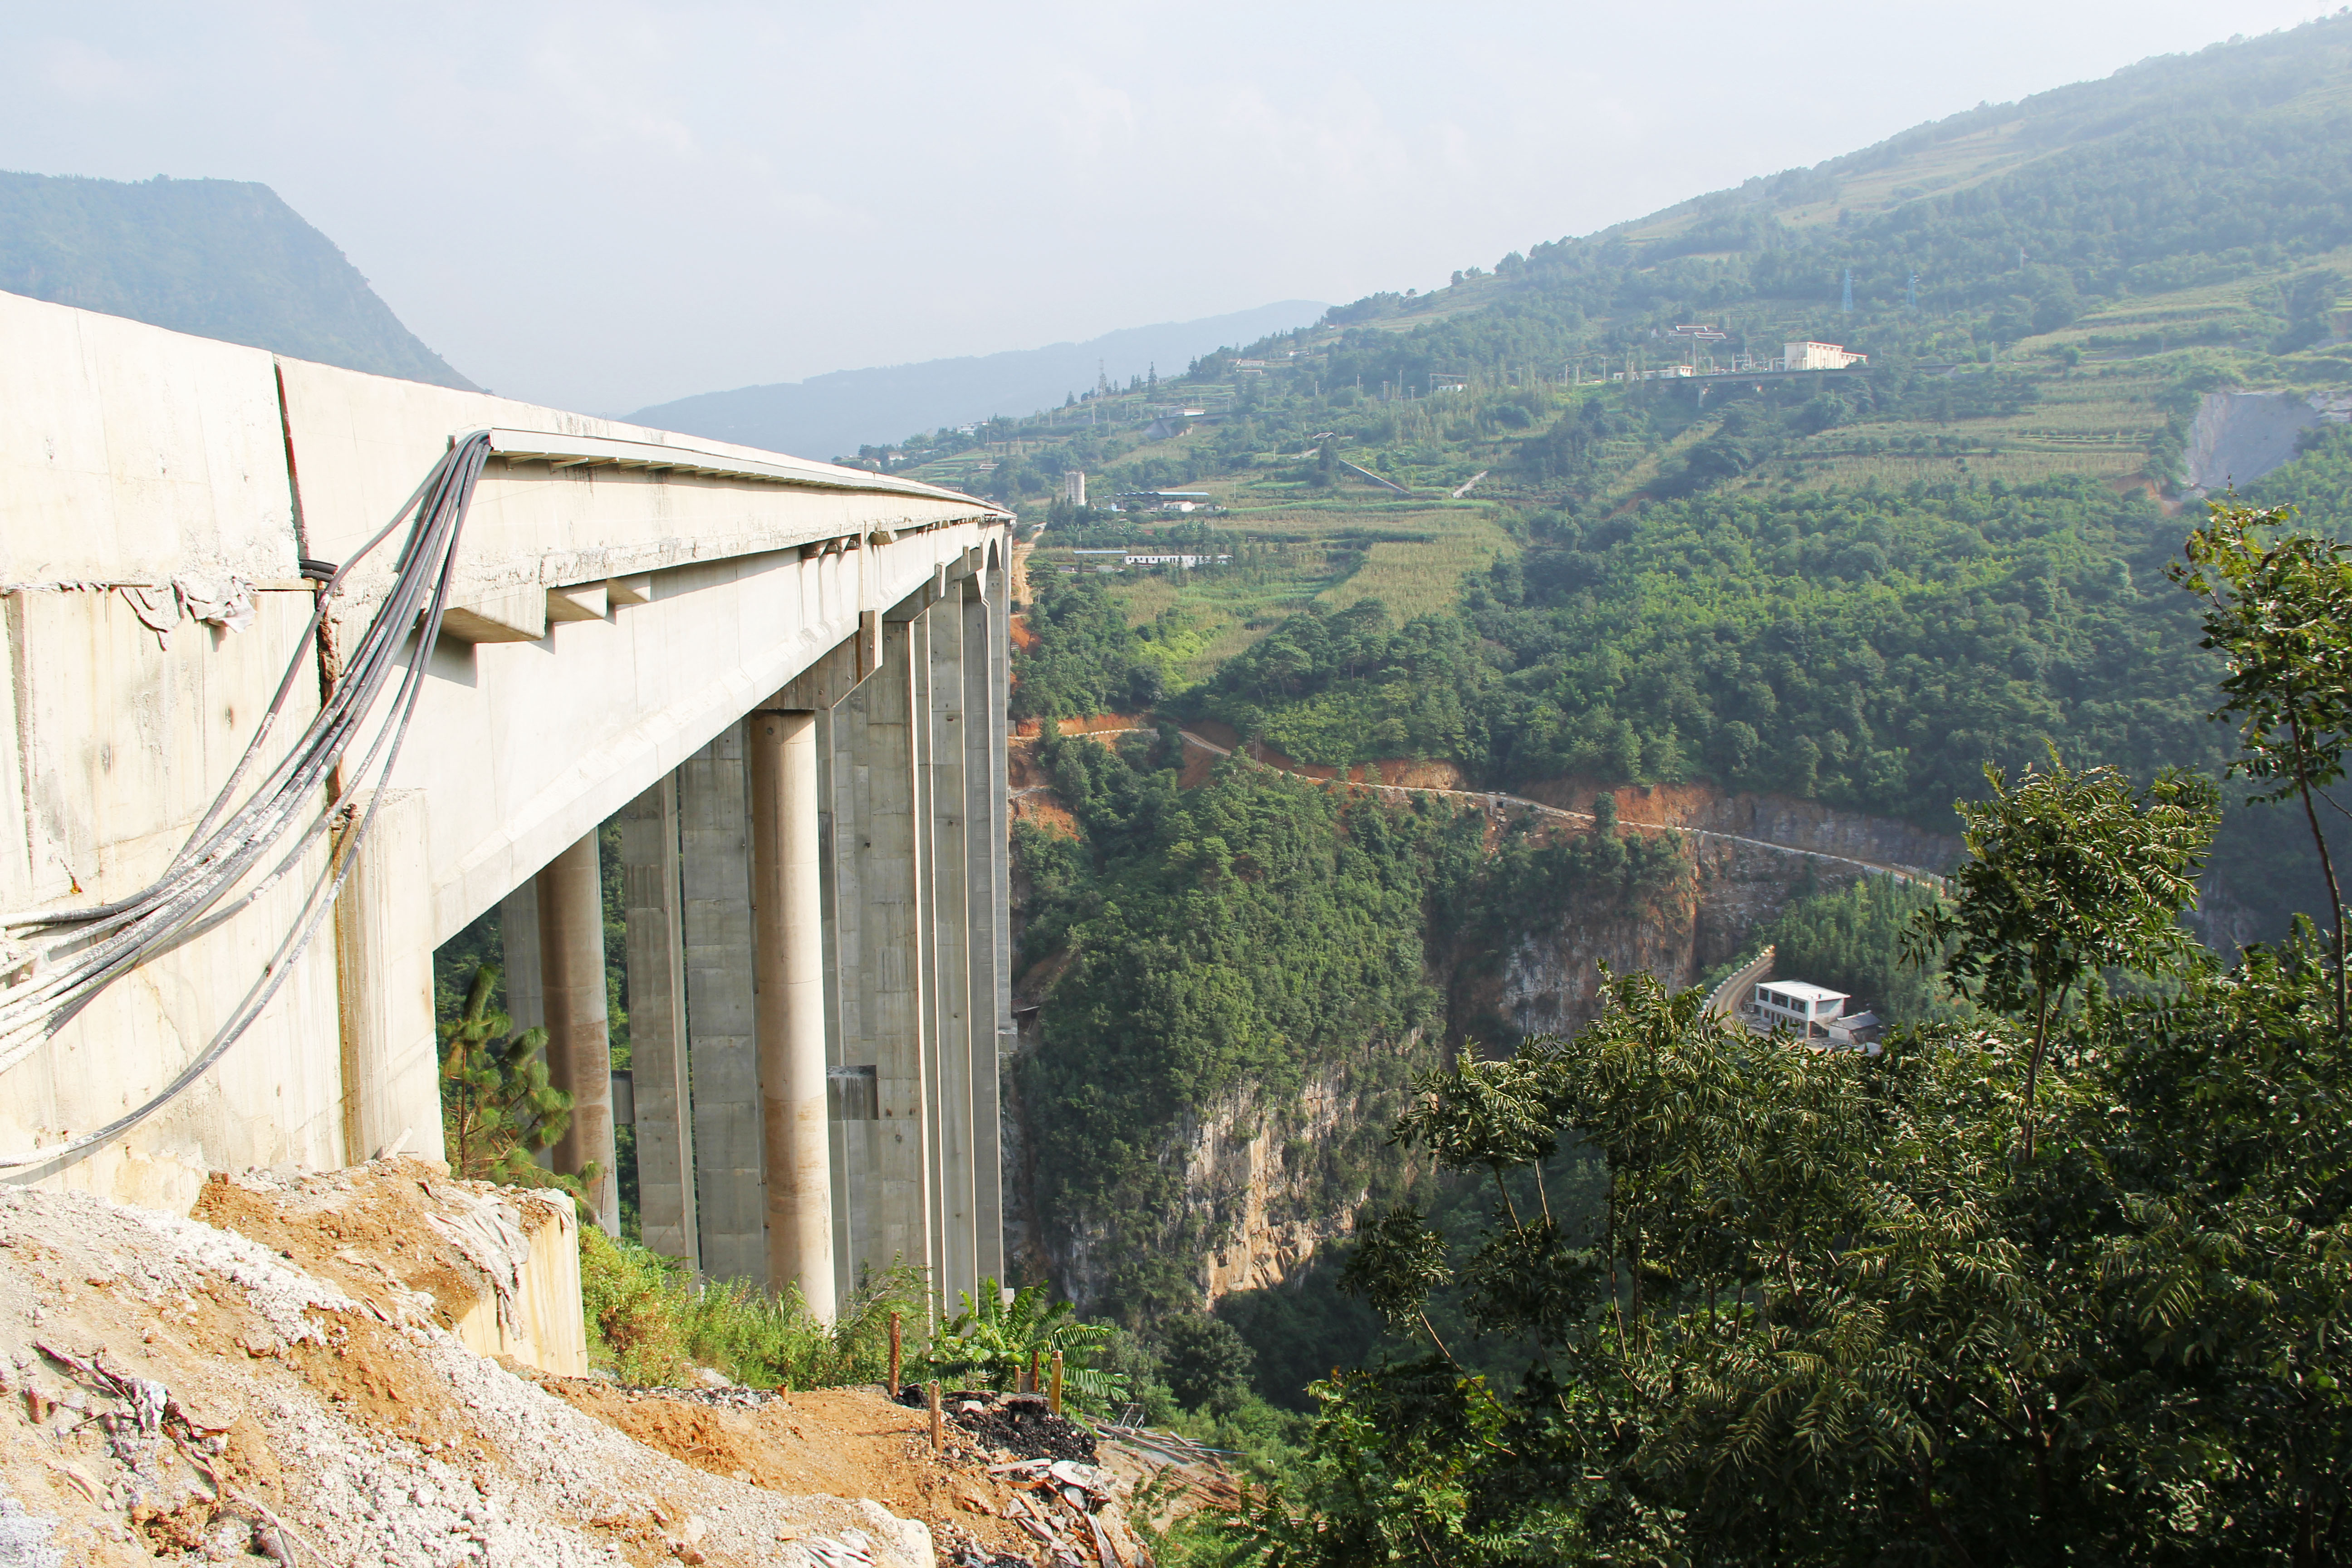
(851, 1442)
(286, 1389)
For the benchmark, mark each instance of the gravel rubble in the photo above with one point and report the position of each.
(365, 1440)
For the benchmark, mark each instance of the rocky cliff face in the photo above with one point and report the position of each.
(2239, 437)
(1550, 981)
(1266, 1183)
(1260, 1184)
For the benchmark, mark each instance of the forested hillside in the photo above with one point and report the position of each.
(219, 258)
(1477, 528)
(845, 410)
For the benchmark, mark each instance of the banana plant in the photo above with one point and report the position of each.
(992, 1343)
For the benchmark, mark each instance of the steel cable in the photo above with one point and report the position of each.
(105, 942)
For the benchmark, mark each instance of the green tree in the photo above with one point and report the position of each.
(2067, 874)
(1206, 1363)
(2281, 616)
(1823, 1313)
(498, 1107)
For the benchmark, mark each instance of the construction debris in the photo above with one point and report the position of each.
(1018, 1423)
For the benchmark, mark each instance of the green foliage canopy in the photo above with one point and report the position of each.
(1821, 1314)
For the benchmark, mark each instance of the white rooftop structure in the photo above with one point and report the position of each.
(1805, 1008)
(1819, 356)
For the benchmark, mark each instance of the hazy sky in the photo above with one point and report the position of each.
(600, 204)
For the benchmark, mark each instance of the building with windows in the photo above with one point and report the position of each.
(1819, 356)
(1793, 1005)
(1814, 1014)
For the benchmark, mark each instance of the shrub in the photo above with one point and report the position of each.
(649, 1323)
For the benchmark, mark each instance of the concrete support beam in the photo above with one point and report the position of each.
(579, 1043)
(788, 1002)
(949, 924)
(383, 964)
(714, 862)
(879, 956)
(519, 947)
(519, 614)
(649, 865)
(986, 847)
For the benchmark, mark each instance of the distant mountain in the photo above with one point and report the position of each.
(841, 410)
(220, 258)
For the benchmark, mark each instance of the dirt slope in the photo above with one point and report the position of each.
(852, 1442)
(177, 1390)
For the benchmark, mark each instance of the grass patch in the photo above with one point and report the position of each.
(1421, 578)
(650, 1325)
(1409, 555)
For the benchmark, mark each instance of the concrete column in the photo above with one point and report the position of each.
(788, 979)
(846, 1145)
(924, 955)
(715, 870)
(649, 865)
(383, 980)
(991, 946)
(578, 1046)
(878, 897)
(519, 950)
(946, 761)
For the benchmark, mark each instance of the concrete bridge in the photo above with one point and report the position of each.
(785, 680)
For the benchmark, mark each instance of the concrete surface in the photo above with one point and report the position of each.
(788, 980)
(651, 592)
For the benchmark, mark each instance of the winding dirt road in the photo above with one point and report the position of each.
(1495, 800)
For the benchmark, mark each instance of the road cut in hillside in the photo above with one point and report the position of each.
(1395, 780)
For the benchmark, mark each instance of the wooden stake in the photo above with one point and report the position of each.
(1034, 1356)
(1054, 1400)
(894, 1355)
(938, 1421)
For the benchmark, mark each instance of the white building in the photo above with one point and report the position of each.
(1814, 1014)
(1073, 486)
(1807, 1009)
(1819, 356)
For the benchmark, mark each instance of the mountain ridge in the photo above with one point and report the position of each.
(842, 410)
(217, 258)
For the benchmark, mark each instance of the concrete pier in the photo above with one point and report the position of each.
(657, 1039)
(985, 611)
(579, 1044)
(385, 977)
(519, 941)
(788, 975)
(715, 870)
(949, 930)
